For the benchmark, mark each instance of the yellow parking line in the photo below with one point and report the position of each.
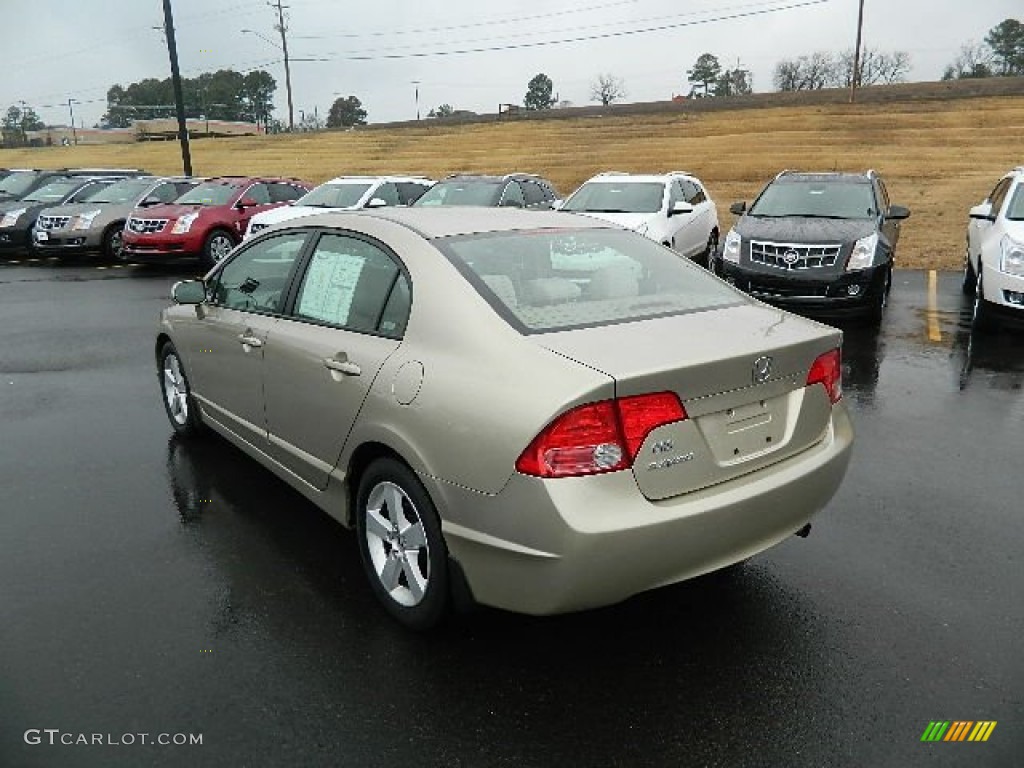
(934, 334)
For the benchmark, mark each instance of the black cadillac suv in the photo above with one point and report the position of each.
(820, 242)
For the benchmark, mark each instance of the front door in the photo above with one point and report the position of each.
(228, 340)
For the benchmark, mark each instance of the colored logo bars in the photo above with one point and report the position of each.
(958, 730)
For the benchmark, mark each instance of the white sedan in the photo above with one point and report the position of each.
(994, 267)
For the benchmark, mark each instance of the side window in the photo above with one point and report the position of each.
(283, 193)
(409, 192)
(165, 192)
(259, 193)
(675, 193)
(256, 278)
(388, 193)
(349, 283)
(694, 192)
(513, 196)
(998, 195)
(534, 194)
(883, 197)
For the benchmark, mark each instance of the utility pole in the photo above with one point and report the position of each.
(71, 109)
(179, 100)
(854, 81)
(287, 67)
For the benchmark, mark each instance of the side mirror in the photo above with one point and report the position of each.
(189, 292)
(377, 203)
(982, 212)
(680, 206)
(738, 209)
(556, 205)
(246, 202)
(897, 212)
(149, 202)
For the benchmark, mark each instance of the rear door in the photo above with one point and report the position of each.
(347, 317)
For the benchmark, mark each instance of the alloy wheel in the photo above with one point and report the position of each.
(397, 544)
(175, 390)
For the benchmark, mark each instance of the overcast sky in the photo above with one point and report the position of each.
(61, 49)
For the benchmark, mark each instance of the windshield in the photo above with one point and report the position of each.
(617, 197)
(127, 191)
(475, 192)
(17, 184)
(1015, 210)
(334, 196)
(208, 195)
(816, 199)
(55, 190)
(555, 279)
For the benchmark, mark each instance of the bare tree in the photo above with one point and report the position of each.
(805, 73)
(876, 67)
(973, 61)
(607, 89)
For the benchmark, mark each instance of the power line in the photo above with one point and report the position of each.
(575, 39)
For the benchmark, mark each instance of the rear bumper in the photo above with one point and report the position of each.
(545, 547)
(798, 292)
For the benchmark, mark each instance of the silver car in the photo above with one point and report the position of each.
(538, 411)
(97, 225)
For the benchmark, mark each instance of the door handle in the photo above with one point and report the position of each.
(250, 341)
(343, 367)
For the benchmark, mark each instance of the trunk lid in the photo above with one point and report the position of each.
(739, 420)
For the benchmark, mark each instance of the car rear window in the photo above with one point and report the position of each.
(556, 279)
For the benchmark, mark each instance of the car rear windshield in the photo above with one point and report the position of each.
(476, 192)
(556, 279)
(55, 190)
(208, 194)
(617, 197)
(127, 191)
(18, 183)
(816, 199)
(334, 195)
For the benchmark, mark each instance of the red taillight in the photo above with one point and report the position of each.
(828, 371)
(598, 437)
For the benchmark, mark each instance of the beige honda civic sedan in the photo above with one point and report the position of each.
(531, 410)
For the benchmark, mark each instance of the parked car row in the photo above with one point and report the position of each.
(820, 242)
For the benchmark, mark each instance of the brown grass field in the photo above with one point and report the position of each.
(938, 157)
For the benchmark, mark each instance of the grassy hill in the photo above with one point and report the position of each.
(938, 157)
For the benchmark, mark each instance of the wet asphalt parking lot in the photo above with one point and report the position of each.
(160, 587)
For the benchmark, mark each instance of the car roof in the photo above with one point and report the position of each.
(371, 179)
(237, 181)
(492, 178)
(825, 176)
(447, 221)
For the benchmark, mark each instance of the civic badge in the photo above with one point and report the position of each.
(762, 369)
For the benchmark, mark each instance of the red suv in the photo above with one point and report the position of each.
(207, 221)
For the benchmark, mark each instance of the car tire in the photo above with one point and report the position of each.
(179, 404)
(401, 545)
(216, 247)
(981, 314)
(880, 302)
(113, 243)
(708, 257)
(970, 279)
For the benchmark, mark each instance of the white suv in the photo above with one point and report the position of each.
(346, 193)
(673, 208)
(994, 268)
